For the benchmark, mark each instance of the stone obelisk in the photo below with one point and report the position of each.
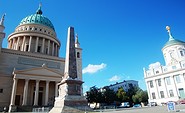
(70, 99)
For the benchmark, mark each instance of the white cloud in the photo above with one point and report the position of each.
(115, 78)
(93, 68)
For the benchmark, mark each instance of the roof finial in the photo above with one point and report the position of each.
(2, 19)
(39, 11)
(170, 35)
(76, 41)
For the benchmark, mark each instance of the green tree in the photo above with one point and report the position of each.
(140, 96)
(94, 95)
(122, 95)
(131, 91)
(109, 95)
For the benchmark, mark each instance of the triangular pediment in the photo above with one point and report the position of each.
(40, 71)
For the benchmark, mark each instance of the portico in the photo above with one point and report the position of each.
(34, 89)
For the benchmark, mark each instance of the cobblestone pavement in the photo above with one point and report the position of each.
(156, 109)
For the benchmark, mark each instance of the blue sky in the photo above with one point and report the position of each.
(118, 37)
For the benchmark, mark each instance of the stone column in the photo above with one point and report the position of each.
(48, 47)
(17, 46)
(36, 93)
(43, 43)
(14, 88)
(53, 49)
(23, 43)
(56, 48)
(163, 83)
(56, 89)
(156, 91)
(25, 94)
(30, 43)
(10, 44)
(36, 45)
(173, 83)
(13, 45)
(148, 90)
(47, 93)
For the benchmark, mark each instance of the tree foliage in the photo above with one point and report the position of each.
(108, 96)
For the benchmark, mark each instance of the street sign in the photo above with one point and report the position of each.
(171, 106)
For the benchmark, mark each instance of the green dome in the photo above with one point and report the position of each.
(173, 42)
(37, 18)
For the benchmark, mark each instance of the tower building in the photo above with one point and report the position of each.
(166, 83)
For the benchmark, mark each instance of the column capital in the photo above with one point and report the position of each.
(37, 81)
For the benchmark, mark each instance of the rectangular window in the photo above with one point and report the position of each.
(39, 49)
(177, 78)
(174, 67)
(27, 47)
(162, 94)
(153, 96)
(151, 84)
(171, 93)
(159, 82)
(1, 90)
(182, 53)
(168, 80)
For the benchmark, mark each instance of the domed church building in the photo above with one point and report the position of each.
(30, 67)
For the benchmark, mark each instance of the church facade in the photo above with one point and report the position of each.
(167, 83)
(30, 67)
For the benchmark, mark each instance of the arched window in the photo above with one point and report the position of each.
(78, 54)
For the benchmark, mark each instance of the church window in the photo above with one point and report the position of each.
(159, 82)
(168, 80)
(39, 49)
(1, 90)
(46, 51)
(35, 29)
(30, 28)
(171, 93)
(27, 46)
(151, 84)
(157, 72)
(78, 54)
(183, 65)
(162, 94)
(40, 29)
(19, 48)
(182, 53)
(174, 67)
(177, 78)
(153, 96)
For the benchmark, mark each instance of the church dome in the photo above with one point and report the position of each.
(173, 42)
(37, 18)
(35, 34)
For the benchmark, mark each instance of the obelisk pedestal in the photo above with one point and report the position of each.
(70, 99)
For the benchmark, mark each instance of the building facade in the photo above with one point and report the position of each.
(126, 85)
(30, 67)
(167, 83)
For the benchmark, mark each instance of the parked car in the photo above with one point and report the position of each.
(137, 106)
(153, 104)
(124, 105)
(182, 101)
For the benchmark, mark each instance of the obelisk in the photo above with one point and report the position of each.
(70, 99)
